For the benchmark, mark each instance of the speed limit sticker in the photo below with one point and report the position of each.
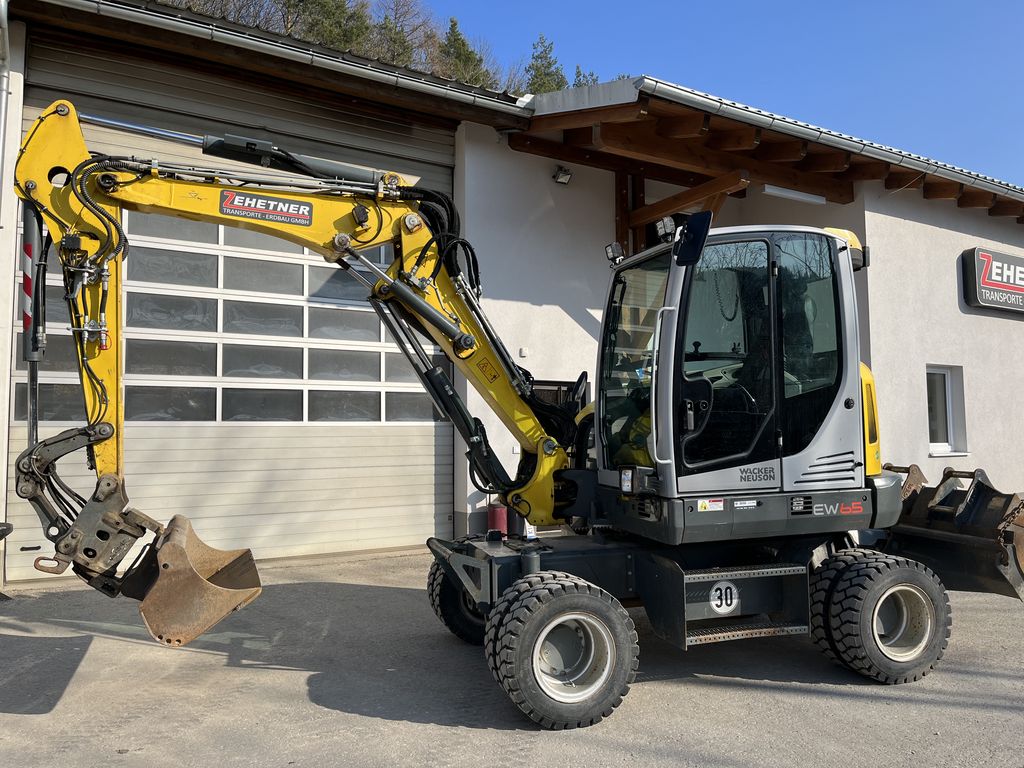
(724, 598)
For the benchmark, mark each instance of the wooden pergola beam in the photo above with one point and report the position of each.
(782, 152)
(562, 121)
(734, 141)
(975, 198)
(523, 142)
(826, 162)
(1007, 208)
(904, 180)
(942, 190)
(639, 141)
(722, 186)
(872, 170)
(684, 127)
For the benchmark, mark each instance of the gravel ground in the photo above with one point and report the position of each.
(342, 663)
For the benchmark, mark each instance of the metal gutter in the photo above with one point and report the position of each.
(769, 121)
(285, 49)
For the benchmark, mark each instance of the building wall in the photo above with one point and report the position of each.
(543, 270)
(919, 318)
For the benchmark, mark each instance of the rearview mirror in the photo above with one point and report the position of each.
(690, 238)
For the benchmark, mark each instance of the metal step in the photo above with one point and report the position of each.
(742, 632)
(744, 572)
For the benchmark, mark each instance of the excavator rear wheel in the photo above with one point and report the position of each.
(454, 606)
(567, 652)
(822, 587)
(890, 619)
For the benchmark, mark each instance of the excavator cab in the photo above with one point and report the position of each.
(733, 404)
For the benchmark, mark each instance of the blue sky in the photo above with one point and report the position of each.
(941, 79)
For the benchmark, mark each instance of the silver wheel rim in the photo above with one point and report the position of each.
(573, 657)
(903, 622)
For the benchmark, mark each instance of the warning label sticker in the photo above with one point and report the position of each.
(710, 505)
(246, 205)
(488, 370)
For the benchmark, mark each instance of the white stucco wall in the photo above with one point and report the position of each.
(542, 265)
(918, 317)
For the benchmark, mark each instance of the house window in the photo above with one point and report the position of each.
(946, 422)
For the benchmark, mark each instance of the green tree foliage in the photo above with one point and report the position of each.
(338, 24)
(544, 73)
(458, 59)
(391, 44)
(584, 78)
(400, 32)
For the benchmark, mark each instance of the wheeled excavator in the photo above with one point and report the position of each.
(727, 477)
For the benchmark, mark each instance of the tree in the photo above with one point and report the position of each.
(460, 61)
(335, 24)
(584, 78)
(390, 43)
(544, 73)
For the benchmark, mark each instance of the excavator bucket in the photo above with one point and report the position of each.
(972, 537)
(191, 585)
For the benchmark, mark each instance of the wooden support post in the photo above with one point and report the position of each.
(622, 210)
(639, 195)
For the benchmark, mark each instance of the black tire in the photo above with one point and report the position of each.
(567, 653)
(454, 607)
(501, 609)
(822, 586)
(890, 619)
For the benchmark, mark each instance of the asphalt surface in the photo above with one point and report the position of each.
(342, 663)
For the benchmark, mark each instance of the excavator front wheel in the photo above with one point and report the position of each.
(890, 619)
(567, 651)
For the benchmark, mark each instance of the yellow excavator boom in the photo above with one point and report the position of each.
(79, 197)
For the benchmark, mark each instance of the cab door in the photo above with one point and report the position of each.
(726, 398)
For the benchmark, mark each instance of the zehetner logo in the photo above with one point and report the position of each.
(993, 280)
(246, 205)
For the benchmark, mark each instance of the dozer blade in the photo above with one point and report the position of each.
(192, 586)
(972, 538)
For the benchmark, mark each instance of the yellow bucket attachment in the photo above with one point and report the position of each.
(196, 585)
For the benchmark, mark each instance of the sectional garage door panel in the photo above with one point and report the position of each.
(282, 490)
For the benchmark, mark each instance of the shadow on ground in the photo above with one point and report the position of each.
(375, 651)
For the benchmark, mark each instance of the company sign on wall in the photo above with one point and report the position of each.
(993, 280)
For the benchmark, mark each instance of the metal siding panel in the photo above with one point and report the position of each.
(178, 98)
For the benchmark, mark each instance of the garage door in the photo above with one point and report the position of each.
(263, 398)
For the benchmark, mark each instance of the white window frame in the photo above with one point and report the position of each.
(956, 429)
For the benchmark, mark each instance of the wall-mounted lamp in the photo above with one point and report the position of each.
(792, 194)
(562, 175)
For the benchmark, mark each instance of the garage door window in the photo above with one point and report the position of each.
(222, 326)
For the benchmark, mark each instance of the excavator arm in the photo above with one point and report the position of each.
(338, 211)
